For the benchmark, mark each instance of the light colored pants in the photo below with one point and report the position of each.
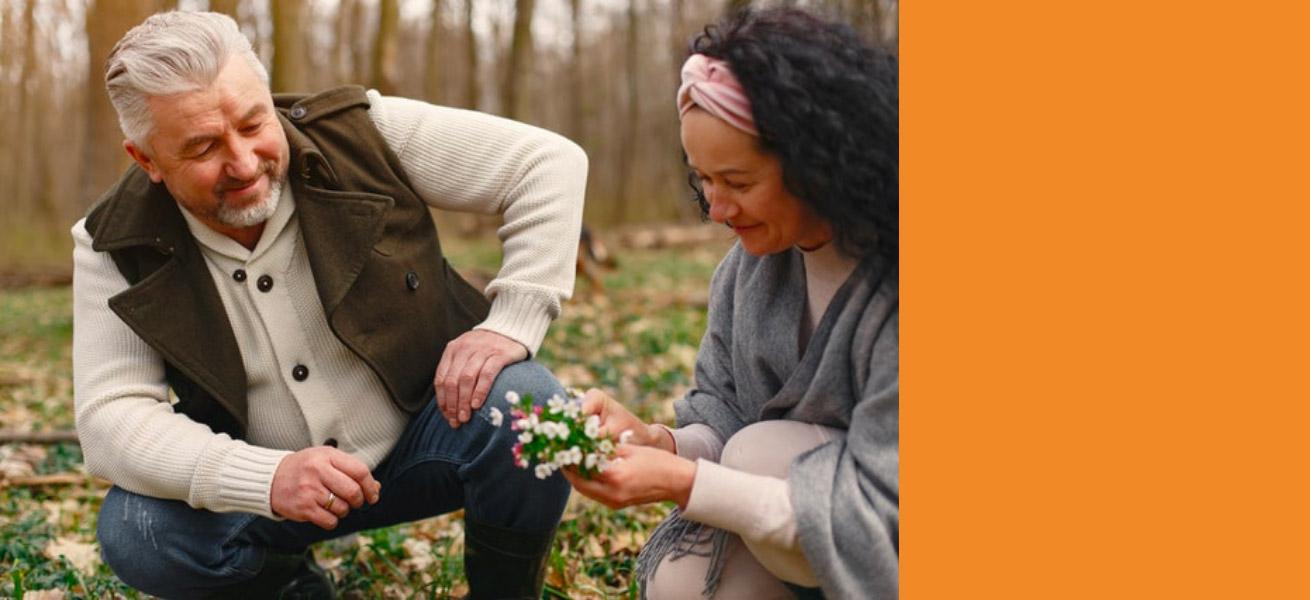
(750, 570)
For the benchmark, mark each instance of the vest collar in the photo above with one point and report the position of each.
(157, 221)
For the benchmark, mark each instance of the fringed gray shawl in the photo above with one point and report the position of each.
(846, 493)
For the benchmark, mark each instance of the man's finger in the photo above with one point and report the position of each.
(364, 485)
(451, 403)
(486, 377)
(323, 518)
(439, 381)
(468, 379)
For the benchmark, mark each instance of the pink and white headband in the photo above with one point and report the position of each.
(709, 83)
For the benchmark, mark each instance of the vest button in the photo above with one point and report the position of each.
(300, 373)
(239, 275)
(298, 112)
(330, 442)
(411, 280)
(265, 283)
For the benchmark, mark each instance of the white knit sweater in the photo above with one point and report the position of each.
(457, 160)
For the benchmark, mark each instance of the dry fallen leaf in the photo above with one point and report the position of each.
(83, 555)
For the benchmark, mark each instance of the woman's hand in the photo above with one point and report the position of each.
(639, 475)
(615, 419)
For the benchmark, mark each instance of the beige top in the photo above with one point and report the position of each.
(758, 507)
(457, 160)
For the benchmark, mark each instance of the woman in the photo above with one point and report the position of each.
(784, 466)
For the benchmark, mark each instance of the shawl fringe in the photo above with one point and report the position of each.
(677, 537)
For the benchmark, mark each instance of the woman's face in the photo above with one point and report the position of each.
(744, 188)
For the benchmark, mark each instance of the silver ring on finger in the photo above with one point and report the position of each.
(332, 497)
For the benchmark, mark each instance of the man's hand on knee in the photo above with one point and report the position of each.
(321, 485)
(467, 369)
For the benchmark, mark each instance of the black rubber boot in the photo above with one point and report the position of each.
(283, 577)
(504, 563)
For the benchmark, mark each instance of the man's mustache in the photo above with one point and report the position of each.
(227, 183)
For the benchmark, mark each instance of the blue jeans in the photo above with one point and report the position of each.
(167, 548)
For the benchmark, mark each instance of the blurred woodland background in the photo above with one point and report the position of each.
(602, 72)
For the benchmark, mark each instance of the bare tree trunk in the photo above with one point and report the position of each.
(520, 51)
(9, 117)
(103, 158)
(359, 47)
(628, 147)
(25, 161)
(288, 50)
(227, 7)
(433, 80)
(578, 96)
(344, 42)
(472, 95)
(384, 50)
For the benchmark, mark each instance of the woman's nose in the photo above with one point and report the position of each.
(721, 210)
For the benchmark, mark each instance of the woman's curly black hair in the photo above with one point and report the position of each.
(826, 104)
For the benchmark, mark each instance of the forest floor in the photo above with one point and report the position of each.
(637, 338)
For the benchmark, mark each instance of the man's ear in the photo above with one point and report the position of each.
(144, 160)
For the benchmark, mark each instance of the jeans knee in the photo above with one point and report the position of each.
(166, 548)
(525, 378)
(127, 543)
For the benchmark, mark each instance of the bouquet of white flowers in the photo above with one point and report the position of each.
(558, 436)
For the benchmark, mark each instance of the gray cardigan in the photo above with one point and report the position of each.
(846, 493)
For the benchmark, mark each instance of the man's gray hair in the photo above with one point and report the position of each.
(171, 53)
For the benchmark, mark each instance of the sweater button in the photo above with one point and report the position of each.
(300, 373)
(298, 112)
(265, 283)
(411, 280)
(330, 442)
(239, 275)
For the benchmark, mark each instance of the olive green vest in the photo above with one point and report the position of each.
(388, 293)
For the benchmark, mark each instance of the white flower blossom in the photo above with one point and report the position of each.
(544, 470)
(592, 427)
(605, 446)
(497, 417)
(512, 398)
(625, 436)
(555, 405)
(526, 437)
(522, 425)
(592, 460)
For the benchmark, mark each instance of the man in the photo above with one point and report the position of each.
(273, 263)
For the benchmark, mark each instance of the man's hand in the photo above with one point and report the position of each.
(639, 475)
(615, 419)
(305, 481)
(467, 369)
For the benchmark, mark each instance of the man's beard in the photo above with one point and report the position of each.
(256, 213)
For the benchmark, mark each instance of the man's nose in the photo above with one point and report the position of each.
(243, 165)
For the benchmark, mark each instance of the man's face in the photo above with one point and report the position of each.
(220, 151)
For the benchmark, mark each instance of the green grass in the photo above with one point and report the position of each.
(637, 339)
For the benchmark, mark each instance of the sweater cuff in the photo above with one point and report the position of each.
(239, 479)
(756, 507)
(520, 317)
(697, 440)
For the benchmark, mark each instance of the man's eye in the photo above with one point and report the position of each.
(249, 129)
(737, 186)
